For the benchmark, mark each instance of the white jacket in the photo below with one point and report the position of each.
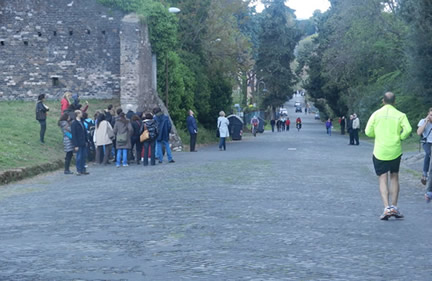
(222, 124)
(103, 134)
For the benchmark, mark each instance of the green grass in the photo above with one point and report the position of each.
(19, 138)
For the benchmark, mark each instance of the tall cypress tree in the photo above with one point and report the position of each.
(277, 39)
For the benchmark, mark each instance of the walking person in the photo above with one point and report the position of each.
(350, 130)
(424, 130)
(389, 127)
(151, 126)
(272, 124)
(64, 124)
(122, 131)
(103, 139)
(41, 115)
(329, 126)
(356, 128)
(222, 124)
(164, 129)
(287, 123)
(79, 141)
(193, 130)
(342, 125)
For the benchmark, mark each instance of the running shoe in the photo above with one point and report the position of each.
(386, 214)
(396, 213)
(428, 196)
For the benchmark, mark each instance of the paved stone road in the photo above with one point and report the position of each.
(281, 206)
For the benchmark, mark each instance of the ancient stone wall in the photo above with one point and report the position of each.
(50, 46)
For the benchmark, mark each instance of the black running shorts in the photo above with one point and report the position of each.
(382, 167)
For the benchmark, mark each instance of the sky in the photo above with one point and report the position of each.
(303, 8)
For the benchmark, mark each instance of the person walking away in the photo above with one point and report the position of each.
(272, 124)
(342, 125)
(64, 124)
(350, 130)
(122, 131)
(103, 136)
(283, 120)
(389, 127)
(164, 129)
(223, 124)
(328, 125)
(356, 128)
(254, 125)
(193, 130)
(79, 141)
(424, 130)
(287, 123)
(135, 138)
(298, 124)
(65, 102)
(41, 115)
(150, 124)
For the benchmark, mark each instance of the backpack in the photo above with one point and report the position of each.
(153, 130)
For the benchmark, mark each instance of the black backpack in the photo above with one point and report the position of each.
(152, 129)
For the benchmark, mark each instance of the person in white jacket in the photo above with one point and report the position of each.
(102, 138)
(222, 124)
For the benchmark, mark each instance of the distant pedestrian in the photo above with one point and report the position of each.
(65, 126)
(79, 141)
(103, 139)
(329, 126)
(222, 124)
(193, 130)
(287, 124)
(135, 138)
(356, 128)
(164, 130)
(389, 127)
(342, 125)
(424, 130)
(41, 115)
(272, 124)
(150, 144)
(350, 130)
(122, 131)
(65, 102)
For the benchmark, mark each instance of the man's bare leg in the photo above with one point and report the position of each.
(394, 188)
(383, 186)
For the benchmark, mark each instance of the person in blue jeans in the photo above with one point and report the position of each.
(424, 130)
(79, 141)
(164, 129)
(123, 131)
(329, 126)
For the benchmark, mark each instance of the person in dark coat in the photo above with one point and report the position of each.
(272, 123)
(79, 141)
(164, 129)
(342, 125)
(193, 130)
(149, 124)
(135, 138)
(350, 130)
(41, 115)
(64, 124)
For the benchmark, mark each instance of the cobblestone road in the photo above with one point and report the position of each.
(281, 206)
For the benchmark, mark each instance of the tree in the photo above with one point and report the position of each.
(277, 39)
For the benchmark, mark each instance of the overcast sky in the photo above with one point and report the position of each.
(303, 8)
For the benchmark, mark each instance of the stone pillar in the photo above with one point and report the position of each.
(137, 72)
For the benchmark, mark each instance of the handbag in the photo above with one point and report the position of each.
(144, 136)
(424, 139)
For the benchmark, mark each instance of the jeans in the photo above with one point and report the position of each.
(152, 145)
(329, 131)
(81, 159)
(427, 150)
(102, 153)
(222, 143)
(42, 129)
(356, 136)
(159, 150)
(121, 154)
(138, 148)
(68, 159)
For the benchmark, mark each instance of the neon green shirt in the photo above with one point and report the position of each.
(389, 127)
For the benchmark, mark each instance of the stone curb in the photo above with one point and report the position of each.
(12, 175)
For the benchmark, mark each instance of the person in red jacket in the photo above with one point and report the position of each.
(287, 124)
(298, 123)
(65, 102)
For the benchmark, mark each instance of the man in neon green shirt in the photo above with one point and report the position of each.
(389, 127)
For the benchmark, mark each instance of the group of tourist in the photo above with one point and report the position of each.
(110, 135)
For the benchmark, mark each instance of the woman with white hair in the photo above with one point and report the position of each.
(222, 124)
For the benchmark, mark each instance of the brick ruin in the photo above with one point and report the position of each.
(81, 46)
